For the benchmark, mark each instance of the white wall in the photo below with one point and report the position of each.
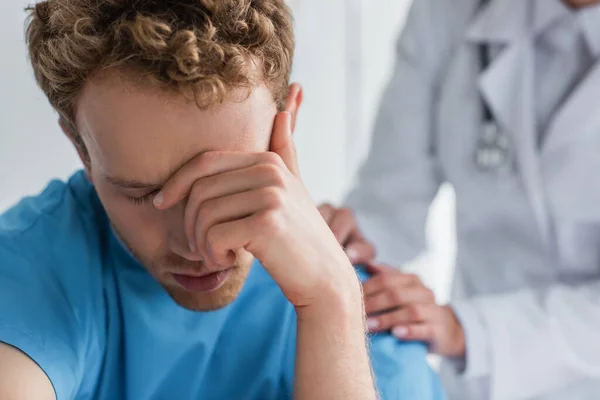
(344, 57)
(330, 143)
(32, 148)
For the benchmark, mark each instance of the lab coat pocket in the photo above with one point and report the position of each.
(579, 248)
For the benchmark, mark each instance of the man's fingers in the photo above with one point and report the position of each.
(231, 208)
(225, 184)
(414, 313)
(201, 166)
(282, 142)
(222, 240)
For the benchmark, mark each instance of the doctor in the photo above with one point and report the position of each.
(502, 100)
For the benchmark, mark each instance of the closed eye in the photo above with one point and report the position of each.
(144, 199)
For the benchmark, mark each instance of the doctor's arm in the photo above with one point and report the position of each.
(400, 177)
(532, 342)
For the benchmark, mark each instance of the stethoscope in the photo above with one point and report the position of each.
(493, 151)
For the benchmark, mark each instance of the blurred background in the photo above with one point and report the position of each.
(343, 60)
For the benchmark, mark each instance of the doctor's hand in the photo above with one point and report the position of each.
(257, 202)
(401, 303)
(345, 228)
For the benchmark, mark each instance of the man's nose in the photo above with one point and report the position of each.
(178, 240)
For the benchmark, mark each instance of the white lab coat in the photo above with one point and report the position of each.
(527, 287)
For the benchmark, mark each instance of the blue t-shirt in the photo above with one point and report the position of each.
(82, 307)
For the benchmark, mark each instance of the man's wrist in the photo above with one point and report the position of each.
(337, 303)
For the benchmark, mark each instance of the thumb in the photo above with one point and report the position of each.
(282, 142)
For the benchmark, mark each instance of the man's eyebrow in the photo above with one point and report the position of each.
(130, 183)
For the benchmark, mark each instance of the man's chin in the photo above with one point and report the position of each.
(208, 301)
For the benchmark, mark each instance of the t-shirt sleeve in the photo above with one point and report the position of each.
(401, 370)
(37, 317)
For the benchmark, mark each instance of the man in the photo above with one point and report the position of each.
(500, 98)
(136, 279)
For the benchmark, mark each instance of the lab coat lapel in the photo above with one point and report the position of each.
(508, 87)
(579, 116)
(499, 22)
(571, 154)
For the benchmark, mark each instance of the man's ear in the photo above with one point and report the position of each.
(293, 102)
(77, 141)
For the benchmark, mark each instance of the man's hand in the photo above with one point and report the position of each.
(401, 303)
(256, 201)
(345, 228)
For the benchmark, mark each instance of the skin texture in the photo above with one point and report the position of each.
(136, 135)
(394, 300)
(225, 187)
(194, 191)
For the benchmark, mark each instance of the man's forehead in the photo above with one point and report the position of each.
(141, 137)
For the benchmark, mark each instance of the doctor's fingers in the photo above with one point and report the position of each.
(421, 331)
(343, 224)
(398, 297)
(327, 212)
(359, 250)
(392, 280)
(412, 314)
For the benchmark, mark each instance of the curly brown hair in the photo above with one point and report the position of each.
(199, 48)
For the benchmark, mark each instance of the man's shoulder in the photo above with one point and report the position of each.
(48, 210)
(48, 232)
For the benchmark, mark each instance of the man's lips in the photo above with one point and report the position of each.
(204, 283)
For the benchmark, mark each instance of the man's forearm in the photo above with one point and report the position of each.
(332, 360)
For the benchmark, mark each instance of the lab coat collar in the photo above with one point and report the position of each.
(506, 21)
(507, 87)
(579, 114)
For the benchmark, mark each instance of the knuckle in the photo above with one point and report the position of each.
(326, 210)
(397, 297)
(270, 222)
(430, 295)
(273, 196)
(416, 312)
(413, 279)
(205, 160)
(272, 158)
(346, 213)
(274, 174)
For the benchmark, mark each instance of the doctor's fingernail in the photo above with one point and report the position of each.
(192, 247)
(372, 324)
(352, 254)
(159, 199)
(400, 331)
